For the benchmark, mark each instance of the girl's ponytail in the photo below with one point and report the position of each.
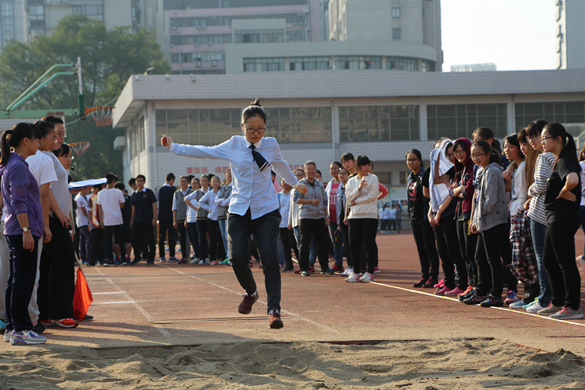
(5, 147)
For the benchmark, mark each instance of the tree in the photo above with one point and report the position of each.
(108, 59)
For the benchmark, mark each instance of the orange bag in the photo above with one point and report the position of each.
(82, 298)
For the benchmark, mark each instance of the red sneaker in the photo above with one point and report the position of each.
(468, 290)
(298, 271)
(337, 269)
(311, 270)
(376, 270)
(440, 285)
(66, 323)
(247, 303)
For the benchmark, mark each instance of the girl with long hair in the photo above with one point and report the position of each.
(225, 195)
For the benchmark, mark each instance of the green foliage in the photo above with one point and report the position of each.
(108, 59)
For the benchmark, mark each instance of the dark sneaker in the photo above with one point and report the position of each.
(312, 270)
(247, 303)
(305, 273)
(474, 299)
(337, 269)
(135, 261)
(288, 268)
(274, 321)
(328, 272)
(430, 283)
(150, 262)
(183, 261)
(492, 301)
(39, 327)
(298, 271)
(420, 283)
(111, 263)
(467, 295)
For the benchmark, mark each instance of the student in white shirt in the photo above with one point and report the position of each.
(111, 202)
(286, 235)
(82, 222)
(254, 206)
(191, 221)
(208, 203)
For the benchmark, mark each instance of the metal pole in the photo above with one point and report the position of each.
(80, 97)
(13, 105)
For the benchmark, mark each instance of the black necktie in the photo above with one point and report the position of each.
(260, 160)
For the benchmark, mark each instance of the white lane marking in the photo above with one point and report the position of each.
(498, 308)
(150, 319)
(262, 302)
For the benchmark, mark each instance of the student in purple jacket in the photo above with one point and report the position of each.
(23, 228)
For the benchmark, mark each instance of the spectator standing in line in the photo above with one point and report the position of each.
(180, 215)
(111, 201)
(331, 189)
(166, 229)
(191, 221)
(126, 217)
(286, 235)
(143, 219)
(225, 195)
(392, 219)
(202, 221)
(94, 226)
(384, 214)
(82, 222)
(398, 218)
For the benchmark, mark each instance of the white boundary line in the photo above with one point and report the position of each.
(262, 302)
(498, 308)
(150, 319)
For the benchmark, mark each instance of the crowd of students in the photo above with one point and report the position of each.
(497, 219)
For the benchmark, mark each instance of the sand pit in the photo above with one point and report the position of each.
(424, 365)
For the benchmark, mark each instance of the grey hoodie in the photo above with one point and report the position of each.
(490, 208)
(314, 191)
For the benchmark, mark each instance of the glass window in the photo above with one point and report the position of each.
(263, 64)
(7, 9)
(247, 36)
(396, 34)
(559, 112)
(93, 11)
(8, 24)
(455, 121)
(375, 124)
(358, 62)
(296, 36)
(395, 12)
(36, 12)
(309, 63)
(401, 63)
(272, 35)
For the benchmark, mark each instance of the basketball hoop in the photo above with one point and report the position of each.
(101, 115)
(79, 147)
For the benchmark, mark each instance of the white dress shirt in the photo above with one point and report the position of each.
(252, 188)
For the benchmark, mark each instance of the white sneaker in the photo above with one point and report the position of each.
(26, 337)
(367, 278)
(7, 334)
(580, 262)
(353, 278)
(194, 261)
(201, 262)
(347, 272)
(517, 305)
(535, 308)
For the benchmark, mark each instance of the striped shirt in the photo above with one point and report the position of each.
(537, 190)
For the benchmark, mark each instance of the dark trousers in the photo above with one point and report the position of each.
(560, 265)
(116, 233)
(448, 246)
(194, 238)
(96, 246)
(489, 262)
(265, 230)
(215, 241)
(202, 231)
(314, 228)
(84, 241)
(427, 250)
(363, 231)
(57, 281)
(346, 247)
(506, 252)
(21, 282)
(183, 239)
(288, 243)
(398, 222)
(467, 246)
(164, 228)
(143, 241)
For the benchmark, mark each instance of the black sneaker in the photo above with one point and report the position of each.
(475, 299)
(329, 271)
(420, 283)
(430, 283)
(468, 295)
(305, 273)
(111, 263)
(39, 327)
(288, 268)
(492, 301)
(135, 261)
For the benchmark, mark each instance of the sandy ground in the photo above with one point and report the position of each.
(172, 326)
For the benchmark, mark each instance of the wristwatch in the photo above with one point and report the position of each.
(25, 229)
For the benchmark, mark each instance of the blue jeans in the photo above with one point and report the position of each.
(538, 231)
(223, 230)
(337, 246)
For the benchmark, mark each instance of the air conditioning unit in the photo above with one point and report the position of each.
(214, 63)
(198, 64)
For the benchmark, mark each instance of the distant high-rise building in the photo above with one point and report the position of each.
(489, 67)
(570, 32)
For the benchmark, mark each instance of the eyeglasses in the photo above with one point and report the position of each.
(54, 138)
(412, 159)
(532, 138)
(477, 155)
(545, 138)
(260, 130)
(458, 152)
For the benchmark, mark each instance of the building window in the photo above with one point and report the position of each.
(401, 63)
(375, 124)
(7, 9)
(6, 37)
(247, 36)
(559, 112)
(272, 35)
(92, 11)
(404, 177)
(455, 121)
(396, 33)
(309, 63)
(358, 62)
(300, 125)
(7, 24)
(263, 64)
(177, 58)
(396, 13)
(36, 12)
(296, 36)
(201, 39)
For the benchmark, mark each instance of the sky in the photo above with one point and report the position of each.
(513, 34)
